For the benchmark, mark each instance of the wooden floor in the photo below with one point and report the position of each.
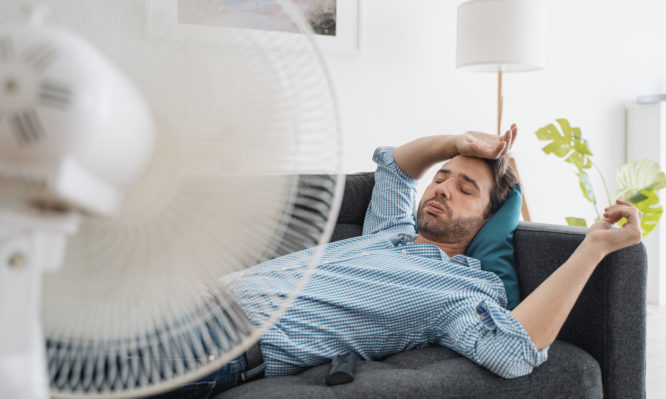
(656, 352)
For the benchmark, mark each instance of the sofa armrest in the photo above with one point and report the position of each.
(608, 320)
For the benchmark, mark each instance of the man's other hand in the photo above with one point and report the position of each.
(545, 310)
(484, 145)
(609, 238)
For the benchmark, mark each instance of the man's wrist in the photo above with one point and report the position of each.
(594, 248)
(442, 148)
(449, 146)
(457, 138)
(417, 156)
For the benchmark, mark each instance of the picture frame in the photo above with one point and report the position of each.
(163, 21)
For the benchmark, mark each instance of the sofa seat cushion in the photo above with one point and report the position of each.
(437, 372)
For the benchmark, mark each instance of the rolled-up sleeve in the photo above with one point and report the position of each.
(491, 337)
(393, 196)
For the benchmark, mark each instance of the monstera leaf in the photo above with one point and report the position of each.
(586, 187)
(639, 183)
(574, 221)
(652, 211)
(569, 143)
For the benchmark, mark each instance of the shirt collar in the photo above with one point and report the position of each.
(472, 263)
(402, 238)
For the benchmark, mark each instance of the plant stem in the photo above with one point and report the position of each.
(604, 183)
(596, 211)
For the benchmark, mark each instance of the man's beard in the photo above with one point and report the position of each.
(447, 230)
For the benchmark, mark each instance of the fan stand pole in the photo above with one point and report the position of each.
(512, 161)
(30, 243)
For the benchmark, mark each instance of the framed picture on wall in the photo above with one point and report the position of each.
(335, 23)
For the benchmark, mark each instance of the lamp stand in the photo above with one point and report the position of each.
(500, 101)
(512, 161)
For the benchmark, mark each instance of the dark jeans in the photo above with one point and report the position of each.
(231, 374)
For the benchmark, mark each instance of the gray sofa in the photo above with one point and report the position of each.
(600, 351)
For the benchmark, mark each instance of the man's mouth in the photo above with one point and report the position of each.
(435, 207)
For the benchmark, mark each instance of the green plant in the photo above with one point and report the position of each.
(639, 181)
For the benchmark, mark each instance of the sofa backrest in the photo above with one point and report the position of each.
(358, 191)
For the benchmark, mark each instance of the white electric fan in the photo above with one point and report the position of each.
(150, 151)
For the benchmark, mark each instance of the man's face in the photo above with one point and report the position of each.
(454, 203)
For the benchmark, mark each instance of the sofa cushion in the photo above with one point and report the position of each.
(437, 372)
(493, 245)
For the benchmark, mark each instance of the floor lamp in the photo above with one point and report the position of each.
(501, 36)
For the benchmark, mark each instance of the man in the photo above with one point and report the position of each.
(392, 290)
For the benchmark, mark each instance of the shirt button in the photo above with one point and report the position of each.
(480, 317)
(285, 268)
(404, 251)
(364, 253)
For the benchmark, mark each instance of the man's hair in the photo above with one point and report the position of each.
(504, 178)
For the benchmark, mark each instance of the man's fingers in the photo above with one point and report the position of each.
(487, 150)
(630, 231)
(507, 138)
(500, 149)
(612, 216)
(510, 137)
(515, 133)
(484, 145)
(616, 213)
(623, 210)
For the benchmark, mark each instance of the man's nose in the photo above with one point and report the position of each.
(445, 188)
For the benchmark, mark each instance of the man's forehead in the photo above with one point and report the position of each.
(474, 168)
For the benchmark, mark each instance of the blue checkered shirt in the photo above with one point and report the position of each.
(380, 294)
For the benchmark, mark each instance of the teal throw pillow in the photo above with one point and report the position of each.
(493, 245)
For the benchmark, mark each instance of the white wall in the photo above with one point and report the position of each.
(403, 84)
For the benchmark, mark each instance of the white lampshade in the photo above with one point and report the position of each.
(502, 35)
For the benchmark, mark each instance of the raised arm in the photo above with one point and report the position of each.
(417, 156)
(545, 310)
(394, 192)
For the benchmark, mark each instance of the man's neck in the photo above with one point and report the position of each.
(451, 249)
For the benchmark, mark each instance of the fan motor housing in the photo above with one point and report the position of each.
(74, 131)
